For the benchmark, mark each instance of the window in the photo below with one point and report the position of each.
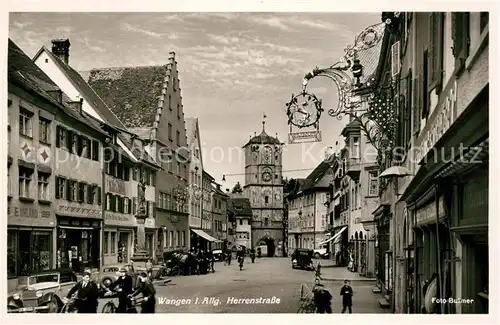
(241, 222)
(373, 183)
(95, 150)
(113, 244)
(25, 181)
(356, 152)
(266, 199)
(183, 238)
(44, 128)
(60, 188)
(171, 239)
(108, 201)
(117, 204)
(85, 147)
(178, 138)
(266, 221)
(43, 186)
(177, 238)
(72, 190)
(170, 131)
(105, 242)
(170, 102)
(25, 122)
(74, 143)
(179, 111)
(461, 39)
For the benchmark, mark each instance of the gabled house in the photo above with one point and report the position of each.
(195, 173)
(149, 103)
(121, 159)
(54, 171)
(242, 213)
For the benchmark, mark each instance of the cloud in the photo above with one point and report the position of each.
(22, 25)
(130, 28)
(270, 21)
(223, 39)
(91, 47)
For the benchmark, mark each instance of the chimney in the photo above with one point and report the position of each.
(60, 48)
(77, 106)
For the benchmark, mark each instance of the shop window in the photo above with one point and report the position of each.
(12, 240)
(43, 186)
(25, 122)
(113, 243)
(25, 176)
(34, 249)
(105, 242)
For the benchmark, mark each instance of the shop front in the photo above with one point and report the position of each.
(30, 235)
(118, 238)
(202, 241)
(383, 260)
(78, 243)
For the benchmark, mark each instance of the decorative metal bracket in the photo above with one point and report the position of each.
(305, 109)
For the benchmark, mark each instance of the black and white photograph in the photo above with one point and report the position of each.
(247, 162)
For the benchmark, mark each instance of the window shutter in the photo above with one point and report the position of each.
(99, 198)
(395, 58)
(69, 140)
(424, 91)
(130, 211)
(95, 150)
(417, 105)
(68, 190)
(81, 187)
(408, 109)
(91, 194)
(58, 134)
(79, 145)
(461, 40)
(112, 205)
(57, 187)
(432, 49)
(147, 208)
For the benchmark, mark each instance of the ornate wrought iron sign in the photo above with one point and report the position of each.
(305, 109)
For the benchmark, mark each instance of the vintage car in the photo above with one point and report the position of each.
(43, 293)
(109, 274)
(321, 252)
(218, 256)
(302, 259)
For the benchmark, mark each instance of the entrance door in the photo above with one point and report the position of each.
(123, 244)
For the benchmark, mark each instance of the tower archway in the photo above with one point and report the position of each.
(270, 243)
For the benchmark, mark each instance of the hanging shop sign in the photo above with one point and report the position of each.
(304, 137)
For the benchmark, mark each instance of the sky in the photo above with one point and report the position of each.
(233, 69)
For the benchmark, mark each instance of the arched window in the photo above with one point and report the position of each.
(360, 235)
(356, 235)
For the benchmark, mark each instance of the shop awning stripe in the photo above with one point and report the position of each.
(334, 236)
(204, 235)
(475, 155)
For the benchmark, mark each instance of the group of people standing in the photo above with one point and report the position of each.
(88, 292)
(323, 298)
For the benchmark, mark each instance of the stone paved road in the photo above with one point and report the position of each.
(267, 278)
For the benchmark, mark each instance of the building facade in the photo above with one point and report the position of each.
(220, 217)
(242, 210)
(118, 239)
(195, 174)
(264, 187)
(160, 125)
(435, 217)
(54, 212)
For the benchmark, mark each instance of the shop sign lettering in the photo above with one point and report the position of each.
(427, 214)
(116, 217)
(115, 186)
(149, 223)
(30, 213)
(75, 210)
(446, 115)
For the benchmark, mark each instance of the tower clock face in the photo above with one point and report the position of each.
(266, 176)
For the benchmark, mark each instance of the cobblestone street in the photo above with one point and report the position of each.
(266, 278)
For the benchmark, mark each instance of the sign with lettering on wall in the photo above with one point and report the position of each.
(78, 211)
(118, 219)
(115, 185)
(30, 216)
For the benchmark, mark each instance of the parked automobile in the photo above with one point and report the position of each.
(109, 274)
(321, 252)
(43, 293)
(302, 259)
(217, 254)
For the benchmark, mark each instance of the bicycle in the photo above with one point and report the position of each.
(308, 305)
(70, 305)
(110, 307)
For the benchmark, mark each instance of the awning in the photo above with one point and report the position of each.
(206, 236)
(334, 236)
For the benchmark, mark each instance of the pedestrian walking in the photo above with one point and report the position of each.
(346, 293)
(149, 268)
(87, 294)
(148, 291)
(322, 299)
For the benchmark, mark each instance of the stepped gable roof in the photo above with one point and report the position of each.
(240, 205)
(190, 127)
(263, 138)
(86, 91)
(132, 93)
(23, 72)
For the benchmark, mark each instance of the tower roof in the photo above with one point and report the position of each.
(263, 138)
